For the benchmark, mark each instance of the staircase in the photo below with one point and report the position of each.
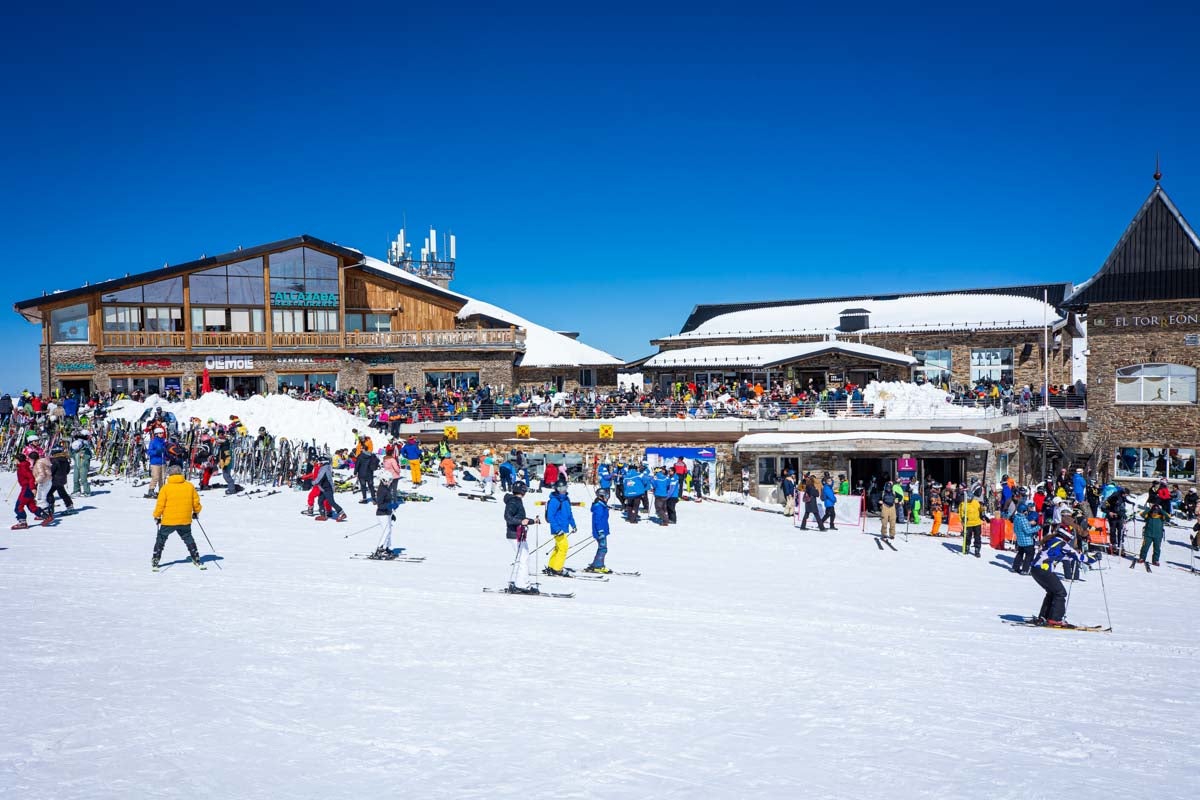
(1050, 434)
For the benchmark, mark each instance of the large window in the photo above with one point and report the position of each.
(305, 271)
(308, 382)
(452, 380)
(297, 320)
(239, 284)
(994, 364)
(1156, 383)
(767, 471)
(371, 323)
(933, 366)
(143, 318)
(227, 320)
(587, 377)
(69, 325)
(1172, 463)
(168, 292)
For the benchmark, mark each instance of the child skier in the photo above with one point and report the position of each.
(26, 498)
(599, 532)
(178, 504)
(517, 530)
(1056, 549)
(562, 522)
(386, 503)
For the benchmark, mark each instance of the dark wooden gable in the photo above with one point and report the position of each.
(1157, 258)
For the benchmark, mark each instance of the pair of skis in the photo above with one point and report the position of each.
(1031, 623)
(880, 542)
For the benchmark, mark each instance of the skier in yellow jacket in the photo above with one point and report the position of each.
(973, 516)
(178, 504)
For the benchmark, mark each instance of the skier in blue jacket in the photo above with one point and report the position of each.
(1056, 549)
(661, 484)
(604, 474)
(156, 453)
(1025, 528)
(674, 488)
(1079, 483)
(562, 522)
(829, 498)
(599, 532)
(635, 490)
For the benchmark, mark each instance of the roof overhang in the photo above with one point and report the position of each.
(860, 442)
(765, 356)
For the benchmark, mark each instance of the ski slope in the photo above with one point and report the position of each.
(749, 660)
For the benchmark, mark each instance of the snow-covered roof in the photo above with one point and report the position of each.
(765, 355)
(928, 312)
(908, 441)
(543, 347)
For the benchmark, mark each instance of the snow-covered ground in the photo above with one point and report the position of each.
(749, 660)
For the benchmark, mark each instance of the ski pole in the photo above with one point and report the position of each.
(210, 547)
(356, 533)
(1104, 592)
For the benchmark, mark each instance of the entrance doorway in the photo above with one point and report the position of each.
(79, 388)
(941, 470)
(383, 380)
(237, 385)
(862, 470)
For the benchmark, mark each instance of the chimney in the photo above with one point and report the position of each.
(854, 319)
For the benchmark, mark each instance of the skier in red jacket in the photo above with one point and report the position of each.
(26, 499)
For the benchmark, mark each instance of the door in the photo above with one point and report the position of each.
(78, 388)
(383, 380)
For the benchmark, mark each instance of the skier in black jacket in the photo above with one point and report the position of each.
(517, 529)
(60, 469)
(364, 469)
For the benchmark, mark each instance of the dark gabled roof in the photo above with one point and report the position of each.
(1156, 258)
(353, 257)
(703, 313)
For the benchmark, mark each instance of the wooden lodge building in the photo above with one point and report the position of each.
(295, 313)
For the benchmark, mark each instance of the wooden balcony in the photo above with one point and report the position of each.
(458, 338)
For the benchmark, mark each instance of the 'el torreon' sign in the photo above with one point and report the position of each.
(305, 299)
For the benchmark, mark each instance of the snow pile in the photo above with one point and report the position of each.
(900, 400)
(280, 414)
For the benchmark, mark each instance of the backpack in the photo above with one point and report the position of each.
(175, 452)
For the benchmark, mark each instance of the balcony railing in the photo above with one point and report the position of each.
(497, 338)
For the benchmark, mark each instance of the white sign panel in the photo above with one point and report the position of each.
(228, 362)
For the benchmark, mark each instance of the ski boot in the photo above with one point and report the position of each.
(321, 517)
(514, 589)
(382, 554)
(341, 517)
(20, 526)
(601, 570)
(48, 520)
(199, 563)
(154, 565)
(308, 512)
(553, 572)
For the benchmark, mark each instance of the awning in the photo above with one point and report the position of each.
(694, 453)
(763, 356)
(890, 442)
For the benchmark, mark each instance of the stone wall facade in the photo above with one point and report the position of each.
(1026, 371)
(568, 377)
(1124, 335)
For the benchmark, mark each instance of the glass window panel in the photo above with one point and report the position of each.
(311, 285)
(319, 265)
(69, 324)
(132, 295)
(246, 291)
(288, 264)
(209, 290)
(197, 319)
(378, 322)
(249, 268)
(214, 319)
(1129, 390)
(1154, 462)
(766, 471)
(1154, 389)
(1128, 462)
(1183, 388)
(1158, 370)
(286, 284)
(257, 320)
(168, 291)
(215, 272)
(354, 322)
(239, 319)
(1182, 464)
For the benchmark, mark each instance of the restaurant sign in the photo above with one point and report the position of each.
(75, 366)
(229, 362)
(305, 299)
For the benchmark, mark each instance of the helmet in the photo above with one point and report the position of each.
(487, 452)
(602, 495)
(560, 485)
(519, 487)
(160, 432)
(57, 450)
(33, 437)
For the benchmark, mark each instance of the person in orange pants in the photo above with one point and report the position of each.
(448, 471)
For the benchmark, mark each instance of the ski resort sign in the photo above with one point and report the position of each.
(228, 362)
(305, 299)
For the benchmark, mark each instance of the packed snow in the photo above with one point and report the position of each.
(944, 311)
(748, 660)
(900, 400)
(282, 415)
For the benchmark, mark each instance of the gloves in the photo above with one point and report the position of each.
(574, 529)
(158, 520)
(196, 515)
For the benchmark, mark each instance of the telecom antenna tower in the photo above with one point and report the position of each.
(431, 265)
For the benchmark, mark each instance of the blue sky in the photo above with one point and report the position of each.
(606, 168)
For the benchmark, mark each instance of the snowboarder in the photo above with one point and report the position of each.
(1056, 549)
(178, 504)
(562, 523)
(386, 503)
(517, 530)
(600, 532)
